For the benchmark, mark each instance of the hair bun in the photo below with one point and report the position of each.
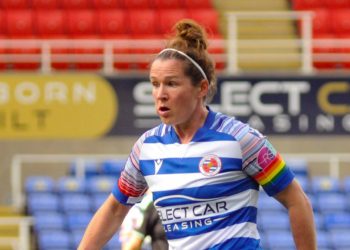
(192, 35)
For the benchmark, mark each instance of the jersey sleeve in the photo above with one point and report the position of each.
(131, 185)
(263, 163)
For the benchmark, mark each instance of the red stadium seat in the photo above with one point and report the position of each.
(336, 4)
(167, 19)
(27, 57)
(345, 50)
(198, 4)
(45, 4)
(19, 23)
(217, 50)
(57, 52)
(209, 18)
(121, 52)
(81, 23)
(137, 4)
(323, 45)
(15, 4)
(107, 4)
(2, 23)
(340, 21)
(321, 22)
(142, 23)
(92, 55)
(3, 65)
(146, 53)
(76, 4)
(168, 4)
(112, 22)
(50, 23)
(307, 4)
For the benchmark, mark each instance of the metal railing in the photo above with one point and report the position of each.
(22, 242)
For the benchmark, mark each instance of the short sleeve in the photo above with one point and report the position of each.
(264, 164)
(131, 185)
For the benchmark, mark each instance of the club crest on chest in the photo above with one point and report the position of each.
(210, 165)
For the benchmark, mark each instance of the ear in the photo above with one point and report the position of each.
(203, 88)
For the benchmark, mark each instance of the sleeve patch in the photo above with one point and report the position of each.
(267, 154)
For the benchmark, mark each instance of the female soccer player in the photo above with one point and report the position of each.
(203, 168)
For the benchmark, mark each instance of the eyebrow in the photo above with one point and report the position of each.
(171, 77)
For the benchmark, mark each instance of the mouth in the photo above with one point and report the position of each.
(162, 111)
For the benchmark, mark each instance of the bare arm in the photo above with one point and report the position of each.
(104, 224)
(300, 216)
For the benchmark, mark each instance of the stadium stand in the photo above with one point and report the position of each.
(65, 205)
(167, 4)
(49, 23)
(14, 4)
(280, 239)
(70, 184)
(306, 4)
(330, 30)
(198, 4)
(78, 221)
(76, 4)
(75, 203)
(330, 41)
(106, 4)
(208, 18)
(325, 184)
(323, 241)
(39, 184)
(54, 239)
(168, 17)
(57, 21)
(266, 204)
(52, 220)
(341, 239)
(42, 202)
(332, 202)
(45, 4)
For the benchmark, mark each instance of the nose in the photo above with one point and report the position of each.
(161, 93)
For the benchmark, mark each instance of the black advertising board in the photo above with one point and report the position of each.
(274, 105)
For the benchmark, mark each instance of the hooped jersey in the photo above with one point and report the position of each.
(205, 191)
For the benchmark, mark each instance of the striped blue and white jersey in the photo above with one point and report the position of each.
(205, 191)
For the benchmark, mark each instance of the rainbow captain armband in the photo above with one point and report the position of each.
(273, 173)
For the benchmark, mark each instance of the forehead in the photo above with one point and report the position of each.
(167, 67)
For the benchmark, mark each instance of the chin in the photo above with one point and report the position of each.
(166, 121)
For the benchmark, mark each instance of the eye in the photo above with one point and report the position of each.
(155, 84)
(172, 84)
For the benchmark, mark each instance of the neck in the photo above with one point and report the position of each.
(187, 131)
